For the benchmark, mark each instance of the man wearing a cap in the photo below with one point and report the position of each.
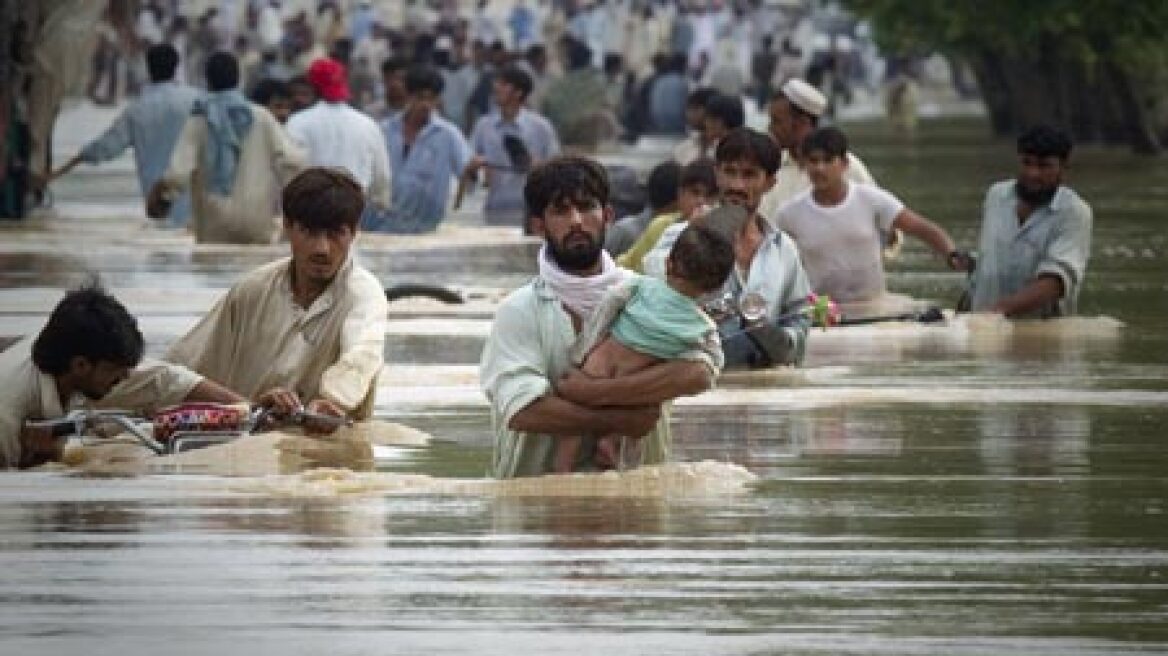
(794, 114)
(334, 134)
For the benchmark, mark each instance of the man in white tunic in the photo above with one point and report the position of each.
(307, 329)
(837, 225)
(234, 157)
(535, 396)
(90, 350)
(1035, 235)
(334, 134)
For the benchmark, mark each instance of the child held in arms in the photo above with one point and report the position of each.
(646, 320)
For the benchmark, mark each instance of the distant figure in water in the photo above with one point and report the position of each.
(1035, 235)
(901, 100)
(645, 321)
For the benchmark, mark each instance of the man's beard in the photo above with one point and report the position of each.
(582, 254)
(1034, 197)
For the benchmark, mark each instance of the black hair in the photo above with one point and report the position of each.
(702, 256)
(613, 63)
(727, 109)
(663, 184)
(565, 179)
(701, 171)
(578, 54)
(270, 88)
(161, 60)
(392, 65)
(322, 198)
(535, 52)
(423, 77)
(829, 141)
(699, 97)
(222, 71)
(516, 77)
(91, 324)
(1045, 141)
(746, 144)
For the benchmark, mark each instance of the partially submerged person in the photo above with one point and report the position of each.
(89, 350)
(426, 153)
(536, 397)
(234, 157)
(1035, 235)
(151, 125)
(837, 225)
(507, 143)
(646, 321)
(768, 275)
(307, 329)
(697, 191)
(332, 133)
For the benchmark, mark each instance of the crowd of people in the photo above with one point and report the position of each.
(741, 231)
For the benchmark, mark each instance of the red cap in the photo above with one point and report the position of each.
(328, 77)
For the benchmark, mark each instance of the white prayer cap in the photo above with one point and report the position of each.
(805, 97)
(444, 42)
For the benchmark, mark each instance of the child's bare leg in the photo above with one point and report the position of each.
(608, 452)
(564, 458)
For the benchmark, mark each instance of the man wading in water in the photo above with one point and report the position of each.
(536, 398)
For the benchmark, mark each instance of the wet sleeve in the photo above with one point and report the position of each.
(206, 347)
(109, 145)
(1068, 249)
(152, 385)
(348, 381)
(513, 372)
(885, 206)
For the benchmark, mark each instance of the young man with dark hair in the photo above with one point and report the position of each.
(275, 96)
(309, 328)
(426, 152)
(1035, 235)
(234, 156)
(837, 225)
(393, 78)
(768, 272)
(90, 349)
(151, 126)
(536, 398)
(723, 114)
(507, 143)
(662, 189)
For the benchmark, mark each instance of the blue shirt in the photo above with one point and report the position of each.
(667, 103)
(505, 204)
(151, 125)
(421, 175)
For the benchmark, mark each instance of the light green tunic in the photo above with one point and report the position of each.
(527, 349)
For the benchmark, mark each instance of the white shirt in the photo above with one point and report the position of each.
(840, 244)
(791, 180)
(335, 134)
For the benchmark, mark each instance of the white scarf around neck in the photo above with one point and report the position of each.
(580, 294)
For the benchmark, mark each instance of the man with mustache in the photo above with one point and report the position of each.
(536, 397)
(768, 276)
(306, 330)
(1035, 235)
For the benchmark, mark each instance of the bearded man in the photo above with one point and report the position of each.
(536, 397)
(1035, 235)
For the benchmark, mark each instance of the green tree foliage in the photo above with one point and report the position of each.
(1099, 67)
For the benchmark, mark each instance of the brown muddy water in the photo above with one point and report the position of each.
(977, 488)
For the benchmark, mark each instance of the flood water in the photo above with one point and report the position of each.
(977, 488)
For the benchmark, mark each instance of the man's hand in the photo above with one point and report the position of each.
(158, 201)
(282, 402)
(577, 387)
(323, 407)
(634, 421)
(38, 445)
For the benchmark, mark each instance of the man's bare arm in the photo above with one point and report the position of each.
(651, 386)
(1038, 293)
(553, 415)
